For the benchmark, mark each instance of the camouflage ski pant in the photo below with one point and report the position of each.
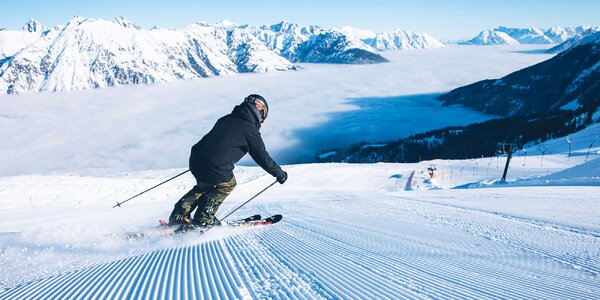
(206, 197)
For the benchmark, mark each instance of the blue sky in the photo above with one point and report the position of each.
(442, 19)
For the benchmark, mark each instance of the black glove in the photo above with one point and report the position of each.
(282, 178)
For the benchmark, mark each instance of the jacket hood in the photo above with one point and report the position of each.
(247, 112)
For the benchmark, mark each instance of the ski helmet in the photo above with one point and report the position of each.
(260, 103)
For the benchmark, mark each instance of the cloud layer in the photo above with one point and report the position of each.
(132, 128)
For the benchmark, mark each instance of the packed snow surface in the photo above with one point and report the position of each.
(349, 231)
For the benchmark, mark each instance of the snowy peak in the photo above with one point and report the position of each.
(76, 21)
(13, 41)
(491, 37)
(126, 23)
(503, 35)
(283, 27)
(335, 47)
(226, 24)
(251, 55)
(592, 37)
(314, 44)
(557, 34)
(529, 35)
(402, 40)
(360, 34)
(588, 36)
(293, 31)
(34, 26)
(284, 38)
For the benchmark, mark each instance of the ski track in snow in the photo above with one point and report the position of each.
(192, 272)
(401, 247)
(349, 231)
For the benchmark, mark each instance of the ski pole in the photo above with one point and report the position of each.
(119, 203)
(230, 213)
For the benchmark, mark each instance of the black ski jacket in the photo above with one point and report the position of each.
(234, 135)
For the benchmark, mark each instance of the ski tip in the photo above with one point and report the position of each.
(163, 222)
(276, 218)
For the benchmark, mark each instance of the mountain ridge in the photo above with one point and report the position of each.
(94, 53)
(503, 35)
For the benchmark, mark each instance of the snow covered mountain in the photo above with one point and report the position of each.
(570, 80)
(401, 40)
(34, 26)
(313, 44)
(558, 34)
(92, 53)
(506, 36)
(530, 35)
(287, 38)
(573, 41)
(360, 34)
(335, 47)
(491, 37)
(12, 41)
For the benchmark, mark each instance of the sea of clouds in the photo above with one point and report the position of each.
(148, 127)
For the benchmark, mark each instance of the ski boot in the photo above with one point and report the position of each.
(194, 226)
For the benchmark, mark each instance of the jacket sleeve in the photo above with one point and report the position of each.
(258, 152)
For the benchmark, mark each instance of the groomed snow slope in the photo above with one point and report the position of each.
(349, 231)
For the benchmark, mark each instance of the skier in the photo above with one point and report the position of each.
(212, 161)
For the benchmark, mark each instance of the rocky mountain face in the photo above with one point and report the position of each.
(506, 36)
(92, 53)
(34, 26)
(332, 47)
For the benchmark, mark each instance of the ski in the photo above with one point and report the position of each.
(254, 220)
(165, 229)
(256, 217)
(266, 221)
